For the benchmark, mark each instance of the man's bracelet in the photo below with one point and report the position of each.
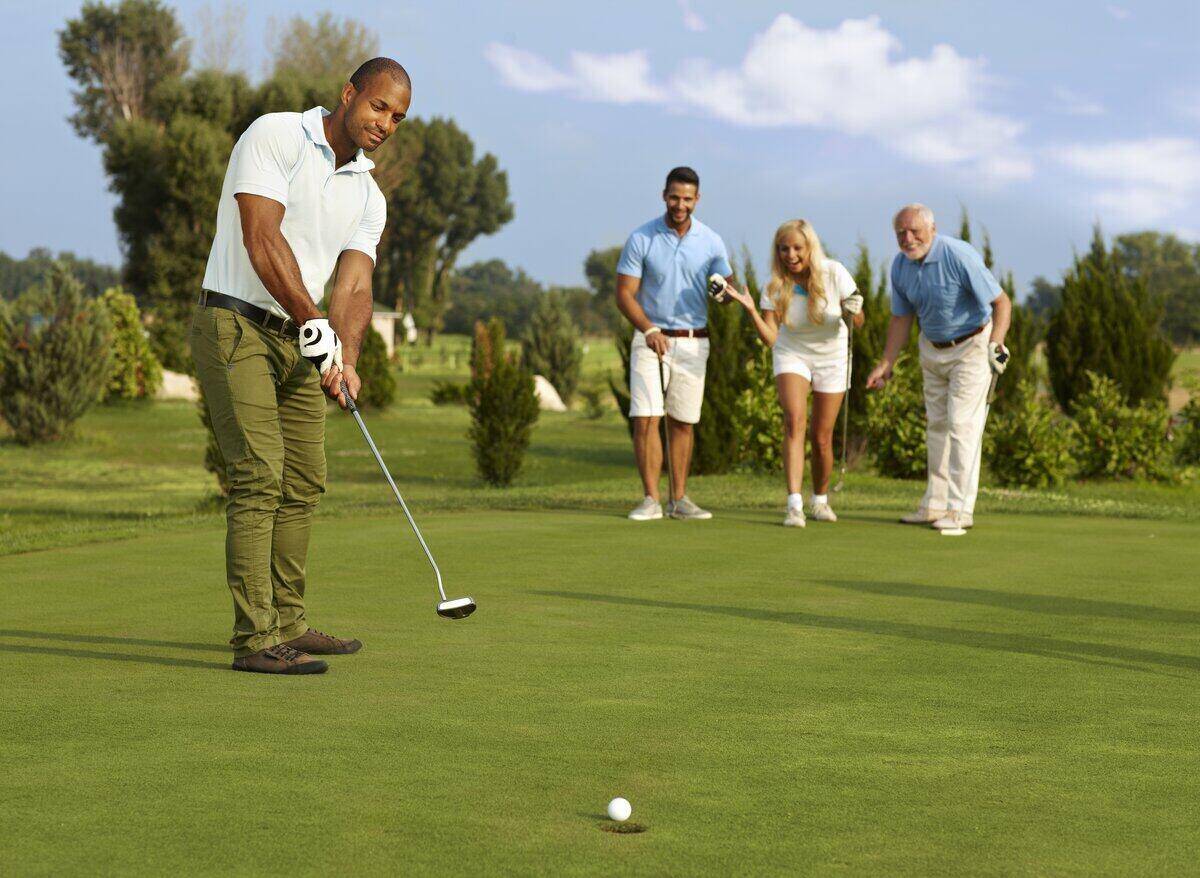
(649, 332)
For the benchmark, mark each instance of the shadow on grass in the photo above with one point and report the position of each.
(29, 649)
(1050, 605)
(1129, 658)
(105, 639)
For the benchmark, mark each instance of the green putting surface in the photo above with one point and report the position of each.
(851, 698)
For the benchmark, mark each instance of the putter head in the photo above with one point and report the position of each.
(458, 608)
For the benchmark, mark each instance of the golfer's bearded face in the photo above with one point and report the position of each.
(375, 111)
(681, 200)
(914, 235)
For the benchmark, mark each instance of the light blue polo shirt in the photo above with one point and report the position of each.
(951, 291)
(674, 271)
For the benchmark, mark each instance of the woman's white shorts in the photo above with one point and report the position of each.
(826, 375)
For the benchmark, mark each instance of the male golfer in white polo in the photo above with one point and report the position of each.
(662, 283)
(964, 315)
(298, 202)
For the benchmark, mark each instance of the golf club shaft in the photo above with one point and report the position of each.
(662, 383)
(379, 459)
(846, 406)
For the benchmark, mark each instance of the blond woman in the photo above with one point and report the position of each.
(803, 312)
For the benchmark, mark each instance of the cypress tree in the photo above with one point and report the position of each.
(136, 373)
(1107, 324)
(503, 406)
(551, 345)
(378, 385)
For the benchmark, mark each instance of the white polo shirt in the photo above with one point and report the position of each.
(285, 157)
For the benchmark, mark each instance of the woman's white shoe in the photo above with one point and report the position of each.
(795, 517)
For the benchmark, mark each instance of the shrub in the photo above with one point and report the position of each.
(450, 393)
(1029, 444)
(896, 423)
(1116, 439)
(136, 372)
(378, 384)
(503, 406)
(55, 357)
(1187, 451)
(759, 419)
(593, 401)
(551, 346)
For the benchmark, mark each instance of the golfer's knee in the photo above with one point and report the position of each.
(254, 486)
(793, 425)
(645, 426)
(822, 442)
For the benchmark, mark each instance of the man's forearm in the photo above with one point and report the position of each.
(275, 264)
(1001, 318)
(632, 309)
(897, 337)
(349, 314)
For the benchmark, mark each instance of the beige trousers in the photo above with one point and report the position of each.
(956, 385)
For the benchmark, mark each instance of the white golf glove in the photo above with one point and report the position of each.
(320, 345)
(718, 288)
(852, 305)
(997, 357)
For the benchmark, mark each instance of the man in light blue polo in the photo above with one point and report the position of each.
(964, 316)
(662, 281)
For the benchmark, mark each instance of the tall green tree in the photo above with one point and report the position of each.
(1108, 324)
(1170, 269)
(443, 198)
(115, 55)
(869, 340)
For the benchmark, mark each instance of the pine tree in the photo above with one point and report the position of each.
(1108, 324)
(55, 358)
(378, 385)
(551, 346)
(136, 373)
(503, 406)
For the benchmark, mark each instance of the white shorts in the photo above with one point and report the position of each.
(826, 375)
(683, 371)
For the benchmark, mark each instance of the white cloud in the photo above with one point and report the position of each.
(1074, 104)
(1139, 181)
(691, 19)
(848, 79)
(1118, 12)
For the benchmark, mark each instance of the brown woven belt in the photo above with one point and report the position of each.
(954, 342)
(686, 333)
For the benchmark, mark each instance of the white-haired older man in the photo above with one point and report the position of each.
(964, 315)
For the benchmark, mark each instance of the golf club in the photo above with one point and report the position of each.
(662, 382)
(987, 408)
(846, 407)
(459, 608)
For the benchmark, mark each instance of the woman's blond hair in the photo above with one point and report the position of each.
(812, 276)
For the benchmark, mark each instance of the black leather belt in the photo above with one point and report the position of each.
(282, 325)
(686, 333)
(954, 342)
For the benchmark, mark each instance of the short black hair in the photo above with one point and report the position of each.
(682, 174)
(368, 69)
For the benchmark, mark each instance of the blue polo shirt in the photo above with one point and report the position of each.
(951, 291)
(674, 271)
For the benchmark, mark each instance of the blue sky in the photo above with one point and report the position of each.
(1041, 117)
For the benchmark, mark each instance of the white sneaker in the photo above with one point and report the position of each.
(685, 510)
(923, 516)
(795, 517)
(648, 510)
(821, 512)
(954, 519)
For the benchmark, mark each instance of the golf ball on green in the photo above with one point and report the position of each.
(619, 809)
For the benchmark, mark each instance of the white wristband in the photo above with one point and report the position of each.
(649, 332)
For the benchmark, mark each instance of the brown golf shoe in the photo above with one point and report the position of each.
(280, 659)
(317, 642)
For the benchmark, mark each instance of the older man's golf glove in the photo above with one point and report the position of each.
(320, 345)
(852, 305)
(997, 357)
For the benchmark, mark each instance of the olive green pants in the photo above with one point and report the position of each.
(268, 414)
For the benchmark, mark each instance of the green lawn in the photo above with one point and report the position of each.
(858, 698)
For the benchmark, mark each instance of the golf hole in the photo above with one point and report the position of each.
(623, 828)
